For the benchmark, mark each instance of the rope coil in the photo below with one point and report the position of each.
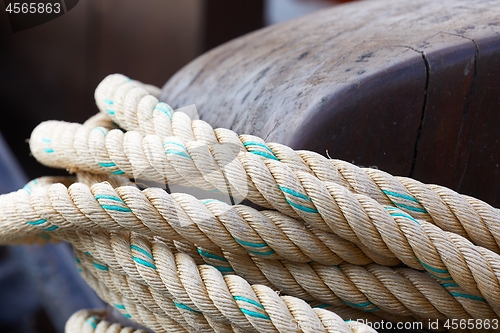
(327, 234)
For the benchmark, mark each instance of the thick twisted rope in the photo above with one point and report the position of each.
(60, 200)
(401, 291)
(94, 321)
(266, 182)
(67, 203)
(42, 186)
(75, 242)
(129, 309)
(228, 300)
(208, 223)
(133, 309)
(329, 213)
(288, 285)
(388, 232)
(463, 215)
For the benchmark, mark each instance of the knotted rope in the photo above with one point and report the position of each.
(327, 233)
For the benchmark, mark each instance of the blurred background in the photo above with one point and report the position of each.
(50, 72)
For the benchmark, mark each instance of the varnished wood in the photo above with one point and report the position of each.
(409, 87)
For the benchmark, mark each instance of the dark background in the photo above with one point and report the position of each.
(50, 71)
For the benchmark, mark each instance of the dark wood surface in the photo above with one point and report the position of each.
(411, 88)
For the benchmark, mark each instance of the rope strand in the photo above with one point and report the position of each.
(452, 212)
(371, 289)
(418, 244)
(244, 174)
(94, 321)
(231, 299)
(388, 231)
(324, 236)
(208, 223)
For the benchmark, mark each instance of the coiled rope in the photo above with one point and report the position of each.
(327, 234)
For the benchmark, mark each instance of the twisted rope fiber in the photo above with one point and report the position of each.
(279, 280)
(400, 291)
(135, 109)
(134, 301)
(138, 294)
(93, 321)
(131, 309)
(106, 294)
(225, 300)
(75, 243)
(59, 196)
(155, 280)
(266, 182)
(123, 307)
(307, 212)
(197, 321)
(208, 223)
(157, 304)
(363, 221)
(381, 217)
(41, 187)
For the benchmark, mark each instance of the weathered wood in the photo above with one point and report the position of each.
(481, 178)
(451, 72)
(410, 87)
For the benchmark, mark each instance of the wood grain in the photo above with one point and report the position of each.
(410, 87)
